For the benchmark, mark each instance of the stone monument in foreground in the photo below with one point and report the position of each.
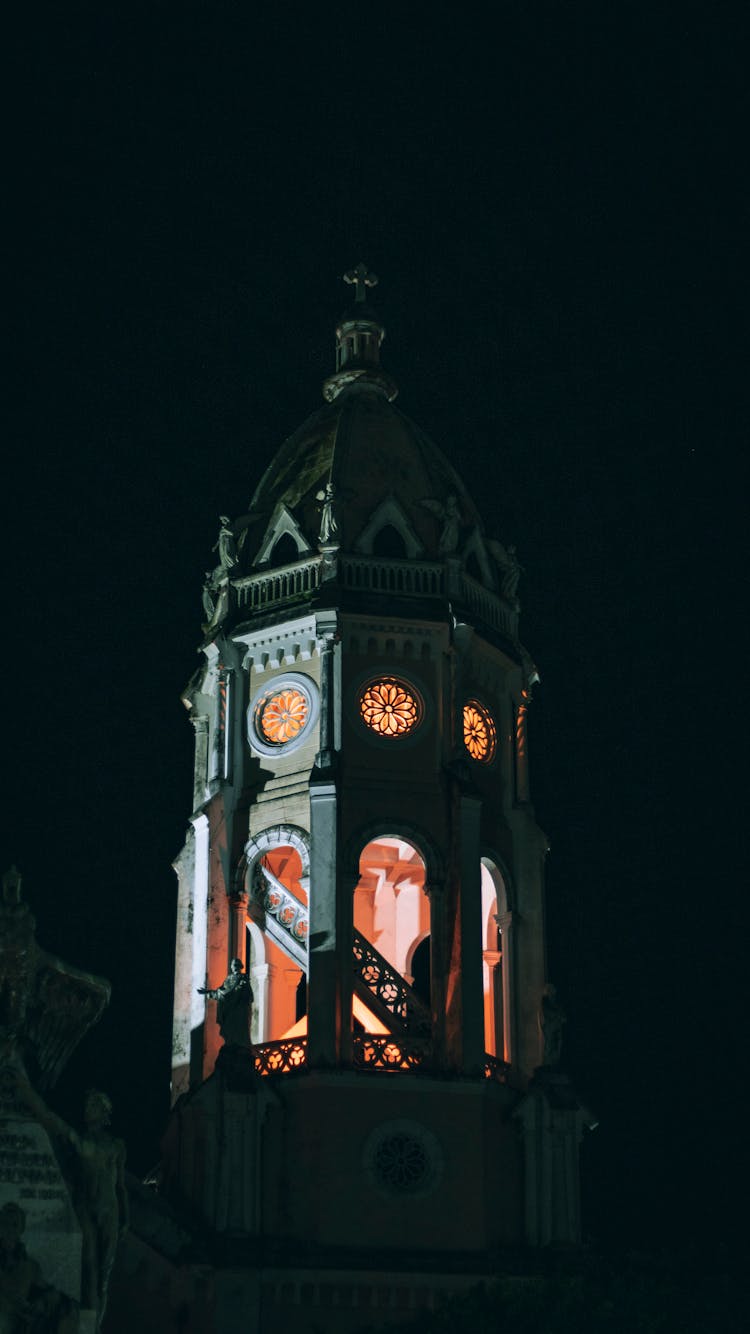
(46, 1007)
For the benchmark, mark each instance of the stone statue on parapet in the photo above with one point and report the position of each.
(510, 569)
(93, 1163)
(226, 545)
(450, 518)
(28, 1305)
(235, 998)
(215, 599)
(328, 524)
(552, 1019)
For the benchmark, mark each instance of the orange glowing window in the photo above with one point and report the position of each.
(389, 707)
(283, 716)
(480, 737)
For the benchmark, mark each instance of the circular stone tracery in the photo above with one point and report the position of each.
(403, 1158)
(283, 716)
(400, 1162)
(480, 737)
(390, 707)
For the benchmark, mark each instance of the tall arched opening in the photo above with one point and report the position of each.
(496, 962)
(278, 917)
(391, 918)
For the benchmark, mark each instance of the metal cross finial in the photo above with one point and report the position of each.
(361, 280)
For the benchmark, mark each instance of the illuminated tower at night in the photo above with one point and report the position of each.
(362, 840)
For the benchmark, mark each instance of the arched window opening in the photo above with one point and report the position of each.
(495, 972)
(284, 551)
(391, 927)
(278, 930)
(389, 543)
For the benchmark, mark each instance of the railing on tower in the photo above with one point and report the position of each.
(374, 574)
(384, 990)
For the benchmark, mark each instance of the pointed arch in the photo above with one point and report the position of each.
(389, 514)
(281, 524)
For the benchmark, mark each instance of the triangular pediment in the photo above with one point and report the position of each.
(281, 524)
(389, 514)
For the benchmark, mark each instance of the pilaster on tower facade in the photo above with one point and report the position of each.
(362, 839)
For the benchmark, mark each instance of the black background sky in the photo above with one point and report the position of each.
(549, 195)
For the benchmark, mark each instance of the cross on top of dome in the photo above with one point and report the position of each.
(361, 280)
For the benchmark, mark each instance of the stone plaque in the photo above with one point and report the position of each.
(30, 1176)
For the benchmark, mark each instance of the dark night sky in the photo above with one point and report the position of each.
(549, 199)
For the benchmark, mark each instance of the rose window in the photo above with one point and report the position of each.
(480, 737)
(389, 707)
(400, 1162)
(283, 716)
(402, 1157)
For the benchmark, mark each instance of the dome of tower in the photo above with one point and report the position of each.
(360, 500)
(374, 457)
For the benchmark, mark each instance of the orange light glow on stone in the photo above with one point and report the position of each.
(479, 732)
(284, 716)
(388, 707)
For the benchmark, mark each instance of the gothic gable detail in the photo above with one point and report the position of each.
(389, 514)
(281, 524)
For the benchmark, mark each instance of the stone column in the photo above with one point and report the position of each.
(439, 965)
(238, 943)
(472, 994)
(324, 992)
(505, 923)
(200, 772)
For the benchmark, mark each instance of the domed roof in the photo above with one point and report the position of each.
(371, 453)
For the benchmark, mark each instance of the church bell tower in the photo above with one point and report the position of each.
(362, 840)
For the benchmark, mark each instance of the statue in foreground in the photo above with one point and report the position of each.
(66, 1186)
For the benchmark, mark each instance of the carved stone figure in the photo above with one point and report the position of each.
(46, 1006)
(450, 516)
(328, 524)
(93, 1162)
(226, 545)
(234, 996)
(28, 1305)
(510, 569)
(552, 1017)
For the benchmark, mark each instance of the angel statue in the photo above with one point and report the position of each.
(450, 517)
(225, 544)
(46, 1006)
(510, 569)
(328, 525)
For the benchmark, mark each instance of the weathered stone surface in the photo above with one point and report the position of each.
(30, 1176)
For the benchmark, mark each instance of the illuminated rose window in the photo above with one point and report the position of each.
(480, 737)
(283, 716)
(389, 707)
